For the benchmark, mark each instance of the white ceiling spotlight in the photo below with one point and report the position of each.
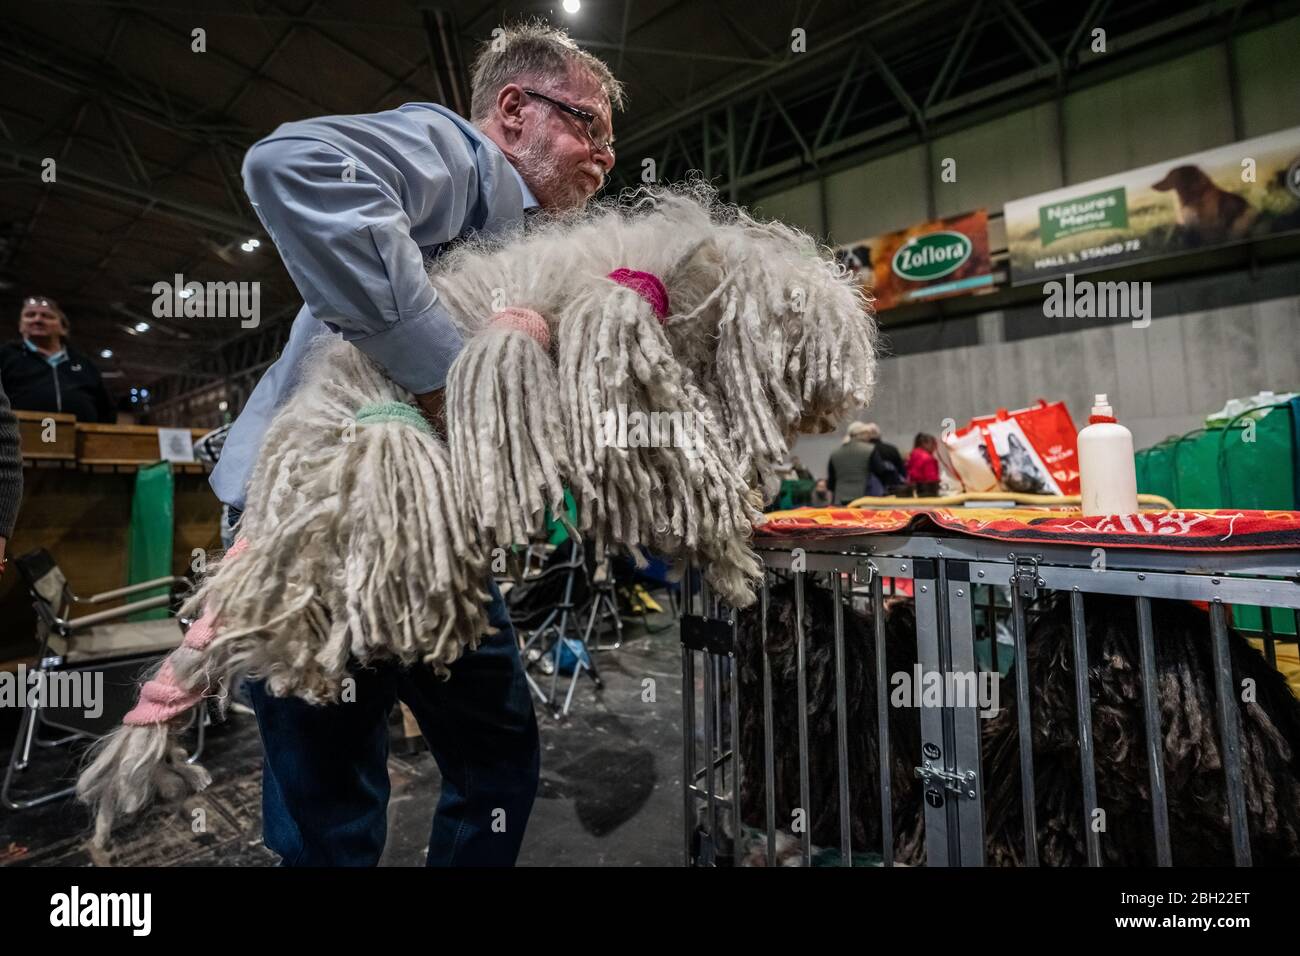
(249, 245)
(142, 326)
(105, 353)
(185, 293)
(572, 6)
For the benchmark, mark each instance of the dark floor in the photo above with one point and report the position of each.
(610, 792)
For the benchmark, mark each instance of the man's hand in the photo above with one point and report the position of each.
(434, 406)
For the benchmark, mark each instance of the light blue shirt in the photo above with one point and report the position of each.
(57, 358)
(354, 205)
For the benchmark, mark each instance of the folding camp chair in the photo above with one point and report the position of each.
(603, 607)
(559, 631)
(102, 641)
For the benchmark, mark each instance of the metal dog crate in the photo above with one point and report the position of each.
(957, 582)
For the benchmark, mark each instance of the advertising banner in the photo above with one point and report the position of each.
(1235, 193)
(931, 260)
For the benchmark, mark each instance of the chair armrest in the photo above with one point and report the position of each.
(133, 589)
(101, 617)
(554, 569)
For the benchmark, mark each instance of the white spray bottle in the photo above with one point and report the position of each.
(1107, 474)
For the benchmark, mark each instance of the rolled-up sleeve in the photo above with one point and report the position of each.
(340, 197)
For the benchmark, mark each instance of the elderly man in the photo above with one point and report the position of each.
(354, 205)
(848, 473)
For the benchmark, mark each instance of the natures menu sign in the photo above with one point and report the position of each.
(927, 261)
(1235, 193)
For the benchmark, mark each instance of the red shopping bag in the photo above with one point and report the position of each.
(1031, 450)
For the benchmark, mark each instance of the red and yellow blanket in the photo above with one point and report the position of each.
(1185, 530)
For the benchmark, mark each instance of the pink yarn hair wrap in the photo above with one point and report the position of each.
(527, 321)
(647, 286)
(163, 698)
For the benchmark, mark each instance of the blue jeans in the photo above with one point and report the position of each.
(325, 774)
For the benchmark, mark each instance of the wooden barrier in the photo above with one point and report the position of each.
(47, 436)
(78, 485)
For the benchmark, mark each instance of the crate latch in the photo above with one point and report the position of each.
(960, 782)
(1024, 575)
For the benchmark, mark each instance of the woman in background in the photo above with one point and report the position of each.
(923, 466)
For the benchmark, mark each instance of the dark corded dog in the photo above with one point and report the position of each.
(1196, 790)
(823, 759)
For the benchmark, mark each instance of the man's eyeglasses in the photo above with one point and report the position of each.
(588, 121)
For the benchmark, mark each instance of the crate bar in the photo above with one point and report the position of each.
(948, 671)
(966, 715)
(1178, 587)
(733, 666)
(710, 730)
(719, 725)
(948, 762)
(802, 679)
(718, 761)
(1025, 729)
(1155, 735)
(688, 748)
(688, 723)
(934, 754)
(1229, 735)
(991, 623)
(1279, 563)
(1083, 703)
(842, 722)
(882, 720)
(769, 743)
(1270, 649)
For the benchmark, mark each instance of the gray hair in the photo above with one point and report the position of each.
(532, 50)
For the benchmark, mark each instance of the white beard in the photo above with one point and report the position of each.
(554, 187)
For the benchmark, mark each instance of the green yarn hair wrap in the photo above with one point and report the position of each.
(377, 412)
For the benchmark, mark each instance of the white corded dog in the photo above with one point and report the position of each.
(366, 537)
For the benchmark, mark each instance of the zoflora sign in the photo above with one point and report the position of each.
(931, 256)
(928, 260)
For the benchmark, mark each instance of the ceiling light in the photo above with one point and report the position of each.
(105, 353)
(142, 326)
(572, 6)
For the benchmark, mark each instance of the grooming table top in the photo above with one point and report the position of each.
(1177, 530)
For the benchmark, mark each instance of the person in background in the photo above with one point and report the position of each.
(821, 495)
(43, 373)
(923, 466)
(849, 473)
(11, 474)
(888, 463)
(800, 472)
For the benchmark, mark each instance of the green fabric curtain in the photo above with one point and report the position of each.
(149, 549)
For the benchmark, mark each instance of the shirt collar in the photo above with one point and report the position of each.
(530, 201)
(60, 356)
